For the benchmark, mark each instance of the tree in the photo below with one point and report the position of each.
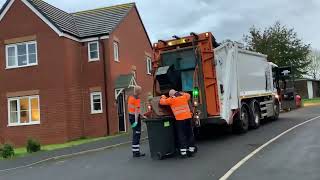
(314, 66)
(282, 46)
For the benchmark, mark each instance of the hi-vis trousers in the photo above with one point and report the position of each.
(185, 136)
(136, 134)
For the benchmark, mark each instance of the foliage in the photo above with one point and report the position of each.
(33, 146)
(314, 67)
(7, 151)
(282, 46)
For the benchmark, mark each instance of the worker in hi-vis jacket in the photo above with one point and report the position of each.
(179, 103)
(134, 105)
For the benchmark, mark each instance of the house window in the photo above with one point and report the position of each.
(96, 102)
(116, 51)
(24, 111)
(149, 66)
(93, 51)
(21, 55)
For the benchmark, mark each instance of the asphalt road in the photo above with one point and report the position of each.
(294, 156)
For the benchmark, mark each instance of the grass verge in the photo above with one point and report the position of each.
(310, 102)
(21, 152)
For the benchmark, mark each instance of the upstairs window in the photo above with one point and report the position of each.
(21, 55)
(116, 51)
(149, 66)
(93, 51)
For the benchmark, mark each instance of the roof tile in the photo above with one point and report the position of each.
(85, 23)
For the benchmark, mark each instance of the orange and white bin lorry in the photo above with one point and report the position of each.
(229, 85)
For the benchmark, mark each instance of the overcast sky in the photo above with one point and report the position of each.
(227, 19)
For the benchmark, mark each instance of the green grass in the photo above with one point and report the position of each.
(315, 100)
(21, 152)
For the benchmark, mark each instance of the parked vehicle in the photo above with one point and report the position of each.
(229, 85)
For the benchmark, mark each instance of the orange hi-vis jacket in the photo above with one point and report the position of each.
(179, 106)
(134, 105)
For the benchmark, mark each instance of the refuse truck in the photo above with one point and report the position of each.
(229, 85)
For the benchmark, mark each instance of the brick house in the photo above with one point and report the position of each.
(66, 75)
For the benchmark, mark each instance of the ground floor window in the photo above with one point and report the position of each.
(96, 102)
(23, 110)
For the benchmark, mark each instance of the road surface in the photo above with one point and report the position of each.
(295, 155)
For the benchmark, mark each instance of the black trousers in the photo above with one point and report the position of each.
(136, 134)
(185, 135)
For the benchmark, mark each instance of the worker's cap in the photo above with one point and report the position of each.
(172, 92)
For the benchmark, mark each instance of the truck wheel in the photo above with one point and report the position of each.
(276, 110)
(242, 122)
(255, 114)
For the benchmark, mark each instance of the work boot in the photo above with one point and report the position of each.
(136, 155)
(183, 156)
(192, 151)
(183, 153)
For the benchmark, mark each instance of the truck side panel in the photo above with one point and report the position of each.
(253, 74)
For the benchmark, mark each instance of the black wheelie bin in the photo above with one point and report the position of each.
(161, 131)
(161, 137)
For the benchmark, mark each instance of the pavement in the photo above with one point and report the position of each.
(44, 156)
(293, 156)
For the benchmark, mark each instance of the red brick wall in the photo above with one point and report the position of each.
(133, 46)
(92, 75)
(47, 77)
(64, 78)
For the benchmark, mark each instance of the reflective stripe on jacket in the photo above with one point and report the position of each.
(133, 105)
(179, 106)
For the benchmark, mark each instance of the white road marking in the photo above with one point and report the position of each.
(245, 159)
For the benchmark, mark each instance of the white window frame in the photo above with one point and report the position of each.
(19, 111)
(91, 102)
(116, 51)
(149, 65)
(89, 51)
(16, 54)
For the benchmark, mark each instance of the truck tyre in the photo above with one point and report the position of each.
(242, 121)
(276, 110)
(255, 114)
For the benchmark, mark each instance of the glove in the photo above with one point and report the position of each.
(134, 124)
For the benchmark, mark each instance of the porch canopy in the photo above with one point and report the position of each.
(124, 81)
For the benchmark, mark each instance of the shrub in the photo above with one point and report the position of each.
(33, 146)
(7, 151)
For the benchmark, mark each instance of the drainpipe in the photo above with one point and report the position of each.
(105, 83)
(81, 88)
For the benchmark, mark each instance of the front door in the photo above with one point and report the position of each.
(121, 112)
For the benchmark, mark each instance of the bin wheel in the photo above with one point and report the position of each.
(160, 156)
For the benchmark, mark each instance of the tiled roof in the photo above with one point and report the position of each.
(62, 20)
(85, 23)
(100, 21)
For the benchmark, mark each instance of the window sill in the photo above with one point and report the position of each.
(94, 60)
(17, 67)
(96, 112)
(29, 124)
